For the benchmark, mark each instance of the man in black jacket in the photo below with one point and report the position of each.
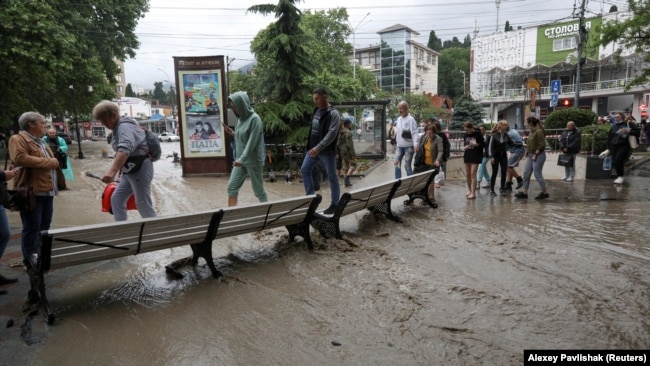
(321, 146)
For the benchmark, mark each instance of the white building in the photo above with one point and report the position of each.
(511, 73)
(134, 107)
(399, 62)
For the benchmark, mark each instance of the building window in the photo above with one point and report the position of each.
(564, 44)
(429, 58)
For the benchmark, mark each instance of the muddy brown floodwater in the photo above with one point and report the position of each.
(470, 283)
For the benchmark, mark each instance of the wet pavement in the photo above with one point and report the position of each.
(472, 282)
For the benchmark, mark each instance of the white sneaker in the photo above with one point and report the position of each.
(618, 180)
(569, 179)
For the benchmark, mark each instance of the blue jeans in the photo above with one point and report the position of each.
(34, 222)
(5, 233)
(329, 161)
(534, 167)
(483, 171)
(407, 154)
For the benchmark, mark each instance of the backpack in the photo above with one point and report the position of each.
(153, 144)
(446, 146)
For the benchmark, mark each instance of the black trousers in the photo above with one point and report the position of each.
(620, 154)
(500, 160)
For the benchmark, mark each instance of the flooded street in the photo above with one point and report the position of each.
(470, 283)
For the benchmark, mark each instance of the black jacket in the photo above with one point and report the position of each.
(571, 141)
(329, 121)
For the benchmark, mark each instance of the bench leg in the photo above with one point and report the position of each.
(328, 227)
(424, 196)
(384, 208)
(198, 251)
(301, 230)
(205, 250)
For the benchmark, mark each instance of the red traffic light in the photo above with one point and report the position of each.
(566, 103)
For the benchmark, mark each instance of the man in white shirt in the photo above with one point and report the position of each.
(407, 140)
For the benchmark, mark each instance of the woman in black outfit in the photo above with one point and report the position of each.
(497, 152)
(618, 144)
(474, 146)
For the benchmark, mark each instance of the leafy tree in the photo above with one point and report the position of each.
(454, 42)
(283, 60)
(594, 138)
(450, 79)
(48, 45)
(434, 43)
(243, 81)
(283, 80)
(129, 91)
(508, 27)
(467, 42)
(159, 93)
(466, 110)
(560, 117)
(631, 33)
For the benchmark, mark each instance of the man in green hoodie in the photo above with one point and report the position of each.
(249, 147)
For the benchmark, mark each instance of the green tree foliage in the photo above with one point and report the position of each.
(560, 117)
(454, 42)
(283, 57)
(450, 78)
(48, 45)
(159, 93)
(594, 138)
(466, 110)
(467, 42)
(434, 43)
(508, 27)
(631, 33)
(330, 51)
(129, 91)
(285, 101)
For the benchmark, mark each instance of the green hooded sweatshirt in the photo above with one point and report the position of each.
(249, 132)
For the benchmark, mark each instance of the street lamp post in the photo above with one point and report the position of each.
(76, 122)
(354, 47)
(464, 87)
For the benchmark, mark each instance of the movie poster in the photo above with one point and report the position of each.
(202, 113)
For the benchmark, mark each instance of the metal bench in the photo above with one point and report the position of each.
(84, 244)
(376, 199)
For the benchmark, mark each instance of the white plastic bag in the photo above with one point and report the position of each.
(440, 178)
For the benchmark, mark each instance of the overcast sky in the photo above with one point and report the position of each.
(222, 27)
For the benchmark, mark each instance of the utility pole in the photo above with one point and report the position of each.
(498, 3)
(581, 39)
(354, 47)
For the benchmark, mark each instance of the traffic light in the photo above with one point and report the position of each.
(566, 103)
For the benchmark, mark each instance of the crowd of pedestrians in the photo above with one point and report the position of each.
(39, 160)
